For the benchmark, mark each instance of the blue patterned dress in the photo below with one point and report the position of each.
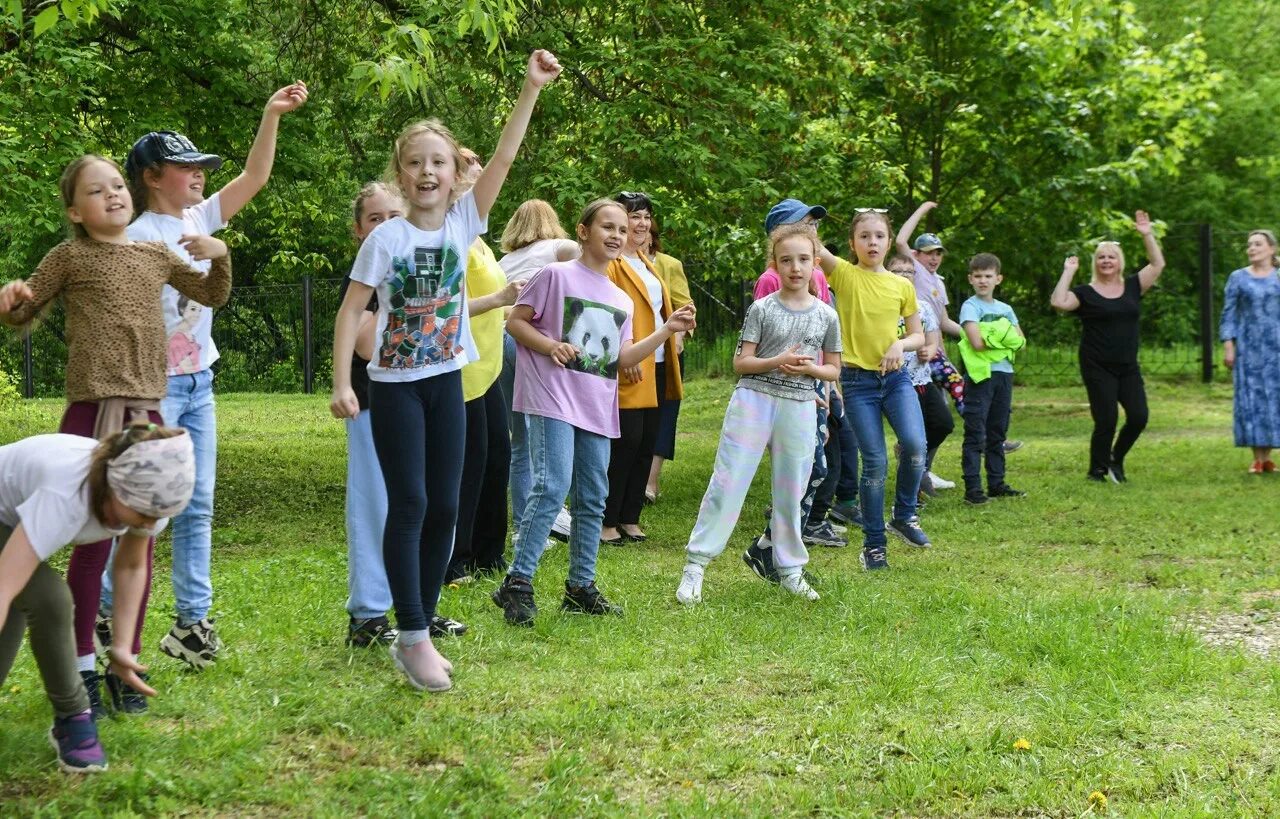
(1251, 316)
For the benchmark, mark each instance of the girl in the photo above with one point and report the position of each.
(184, 350)
(111, 290)
(1109, 308)
(167, 177)
(773, 405)
(574, 328)
(60, 489)
(1250, 333)
(423, 338)
(644, 386)
(671, 271)
(870, 300)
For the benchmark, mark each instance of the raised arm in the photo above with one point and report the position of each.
(543, 68)
(1148, 275)
(903, 240)
(1063, 299)
(262, 156)
(827, 261)
(681, 321)
(21, 301)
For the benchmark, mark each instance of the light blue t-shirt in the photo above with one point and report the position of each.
(975, 309)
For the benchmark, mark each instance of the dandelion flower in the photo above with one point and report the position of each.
(1098, 800)
(1022, 744)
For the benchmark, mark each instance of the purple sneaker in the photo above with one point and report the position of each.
(76, 741)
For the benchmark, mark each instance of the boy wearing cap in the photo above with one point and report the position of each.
(166, 175)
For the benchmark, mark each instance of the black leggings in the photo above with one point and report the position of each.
(630, 456)
(481, 536)
(419, 429)
(938, 423)
(1109, 385)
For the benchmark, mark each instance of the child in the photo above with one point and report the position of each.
(773, 405)
(60, 489)
(111, 290)
(573, 328)
(991, 337)
(417, 265)
(870, 300)
(167, 176)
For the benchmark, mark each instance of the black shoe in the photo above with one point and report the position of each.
(976, 497)
(124, 699)
(371, 632)
(760, 560)
(515, 598)
(1011, 446)
(1004, 490)
(1116, 473)
(93, 686)
(197, 645)
(1099, 477)
(587, 600)
(444, 627)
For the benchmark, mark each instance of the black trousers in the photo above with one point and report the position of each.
(630, 456)
(938, 423)
(481, 537)
(827, 489)
(1109, 385)
(987, 405)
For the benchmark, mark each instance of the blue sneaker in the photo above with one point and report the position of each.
(874, 557)
(910, 531)
(847, 512)
(76, 741)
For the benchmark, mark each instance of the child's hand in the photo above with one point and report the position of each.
(543, 68)
(1071, 265)
(122, 664)
(683, 320)
(563, 352)
(928, 206)
(892, 358)
(13, 294)
(925, 353)
(806, 368)
(203, 248)
(790, 360)
(511, 292)
(343, 404)
(290, 98)
(1142, 221)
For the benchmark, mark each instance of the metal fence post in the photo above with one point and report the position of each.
(1207, 346)
(308, 364)
(28, 368)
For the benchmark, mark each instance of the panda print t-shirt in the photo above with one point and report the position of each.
(573, 303)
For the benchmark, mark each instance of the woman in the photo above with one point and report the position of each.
(1250, 334)
(644, 387)
(1109, 307)
(671, 271)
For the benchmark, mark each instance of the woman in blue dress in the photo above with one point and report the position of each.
(1250, 334)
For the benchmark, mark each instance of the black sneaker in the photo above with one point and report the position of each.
(1116, 473)
(93, 686)
(975, 497)
(821, 534)
(874, 557)
(1004, 490)
(196, 645)
(444, 627)
(909, 530)
(759, 559)
(847, 512)
(371, 632)
(1099, 477)
(587, 600)
(515, 598)
(124, 699)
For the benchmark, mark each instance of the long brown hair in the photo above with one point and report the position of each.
(136, 433)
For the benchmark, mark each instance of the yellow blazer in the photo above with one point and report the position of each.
(644, 394)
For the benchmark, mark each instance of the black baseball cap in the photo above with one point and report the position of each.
(166, 146)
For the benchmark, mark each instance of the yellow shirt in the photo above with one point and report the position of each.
(869, 305)
(671, 271)
(484, 276)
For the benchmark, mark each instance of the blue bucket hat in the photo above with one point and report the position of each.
(791, 210)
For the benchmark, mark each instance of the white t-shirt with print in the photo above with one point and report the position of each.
(523, 262)
(43, 487)
(654, 286)
(187, 324)
(423, 327)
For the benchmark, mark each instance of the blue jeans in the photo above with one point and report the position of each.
(189, 404)
(564, 458)
(987, 405)
(521, 470)
(869, 395)
(368, 594)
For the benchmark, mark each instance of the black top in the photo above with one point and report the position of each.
(1110, 333)
(359, 371)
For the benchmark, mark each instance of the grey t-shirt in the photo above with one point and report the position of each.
(775, 329)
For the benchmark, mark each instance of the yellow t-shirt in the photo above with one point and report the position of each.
(484, 276)
(869, 305)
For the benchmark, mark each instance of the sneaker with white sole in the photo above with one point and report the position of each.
(690, 590)
(847, 512)
(797, 585)
(197, 644)
(821, 534)
(910, 531)
(560, 529)
(941, 483)
(75, 739)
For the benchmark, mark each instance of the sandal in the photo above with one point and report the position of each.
(1256, 468)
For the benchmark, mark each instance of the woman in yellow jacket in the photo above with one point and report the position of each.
(671, 271)
(643, 388)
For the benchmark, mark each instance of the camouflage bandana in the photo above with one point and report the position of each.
(155, 478)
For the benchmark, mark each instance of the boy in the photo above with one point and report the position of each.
(991, 337)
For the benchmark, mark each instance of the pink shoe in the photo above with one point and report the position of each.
(421, 665)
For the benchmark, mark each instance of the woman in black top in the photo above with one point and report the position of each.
(1109, 307)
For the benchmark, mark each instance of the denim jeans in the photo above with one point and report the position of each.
(986, 424)
(868, 395)
(368, 594)
(521, 471)
(566, 461)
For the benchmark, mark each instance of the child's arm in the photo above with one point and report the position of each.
(212, 289)
(18, 561)
(20, 301)
(903, 239)
(262, 156)
(1063, 299)
(526, 335)
(543, 68)
(1148, 275)
(913, 340)
(827, 261)
(681, 321)
(129, 574)
(343, 404)
(502, 298)
(822, 372)
(972, 333)
(747, 363)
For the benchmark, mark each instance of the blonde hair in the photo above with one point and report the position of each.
(370, 190)
(111, 447)
(414, 131)
(68, 181)
(533, 221)
(786, 231)
(1107, 246)
(1271, 240)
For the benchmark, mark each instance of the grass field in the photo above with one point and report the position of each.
(1037, 655)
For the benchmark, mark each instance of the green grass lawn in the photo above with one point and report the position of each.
(1055, 619)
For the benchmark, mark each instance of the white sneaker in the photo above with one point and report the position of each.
(797, 585)
(560, 529)
(941, 483)
(690, 590)
(837, 528)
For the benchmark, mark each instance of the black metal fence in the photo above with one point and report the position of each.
(278, 338)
